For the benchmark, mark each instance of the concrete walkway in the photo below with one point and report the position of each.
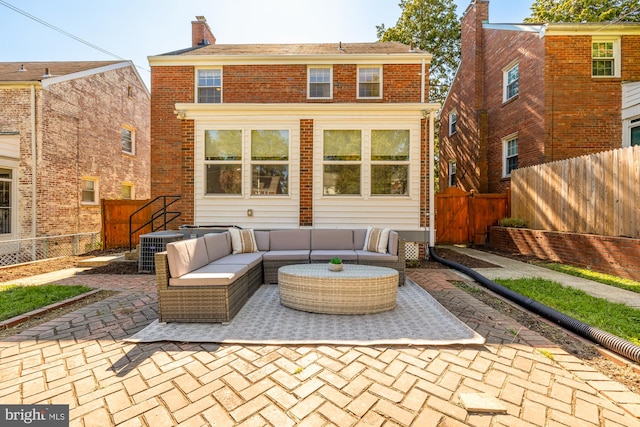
(522, 379)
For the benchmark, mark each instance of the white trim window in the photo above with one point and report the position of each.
(453, 120)
(223, 161)
(634, 133)
(128, 139)
(7, 191)
(390, 162)
(369, 82)
(452, 173)
(89, 191)
(209, 86)
(342, 162)
(270, 162)
(510, 80)
(509, 155)
(605, 57)
(320, 82)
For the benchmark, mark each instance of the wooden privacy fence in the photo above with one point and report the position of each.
(463, 217)
(594, 194)
(115, 222)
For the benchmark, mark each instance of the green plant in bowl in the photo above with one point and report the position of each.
(335, 261)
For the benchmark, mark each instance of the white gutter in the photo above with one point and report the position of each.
(34, 166)
(432, 168)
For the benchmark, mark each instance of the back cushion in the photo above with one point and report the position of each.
(218, 245)
(186, 255)
(331, 239)
(393, 243)
(262, 240)
(359, 235)
(282, 240)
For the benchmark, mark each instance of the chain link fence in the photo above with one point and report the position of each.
(34, 249)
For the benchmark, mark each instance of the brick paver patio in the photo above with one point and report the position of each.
(80, 359)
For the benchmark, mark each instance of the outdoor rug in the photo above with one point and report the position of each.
(418, 319)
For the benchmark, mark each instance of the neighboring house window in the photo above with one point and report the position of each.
(210, 86)
(127, 191)
(128, 139)
(453, 119)
(6, 200)
(634, 132)
(389, 162)
(89, 191)
(510, 79)
(452, 173)
(223, 161)
(605, 58)
(320, 82)
(342, 156)
(269, 162)
(370, 82)
(509, 155)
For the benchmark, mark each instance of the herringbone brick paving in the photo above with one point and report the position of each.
(80, 359)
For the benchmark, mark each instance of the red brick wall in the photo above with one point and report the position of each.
(306, 173)
(619, 256)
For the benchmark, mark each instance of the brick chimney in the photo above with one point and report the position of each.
(201, 34)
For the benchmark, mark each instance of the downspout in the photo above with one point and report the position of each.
(34, 170)
(432, 168)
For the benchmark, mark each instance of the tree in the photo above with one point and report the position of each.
(584, 11)
(432, 26)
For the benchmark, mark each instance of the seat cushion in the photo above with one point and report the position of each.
(326, 255)
(331, 239)
(248, 259)
(211, 275)
(375, 256)
(186, 255)
(293, 255)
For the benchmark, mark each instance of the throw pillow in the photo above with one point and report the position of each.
(243, 241)
(377, 240)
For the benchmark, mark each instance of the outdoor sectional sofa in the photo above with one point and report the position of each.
(209, 278)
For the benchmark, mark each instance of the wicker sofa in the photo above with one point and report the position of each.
(203, 280)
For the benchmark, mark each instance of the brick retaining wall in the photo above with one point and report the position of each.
(619, 256)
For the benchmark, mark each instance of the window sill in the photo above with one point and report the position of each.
(510, 100)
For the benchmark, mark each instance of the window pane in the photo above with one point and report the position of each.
(126, 192)
(513, 76)
(512, 163)
(209, 95)
(88, 191)
(635, 136)
(369, 82)
(269, 144)
(341, 179)
(209, 86)
(389, 179)
(270, 179)
(5, 202)
(602, 67)
(126, 140)
(319, 82)
(223, 145)
(320, 90)
(224, 179)
(602, 50)
(342, 145)
(390, 145)
(211, 78)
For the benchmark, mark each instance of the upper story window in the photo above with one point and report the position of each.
(90, 191)
(128, 139)
(605, 58)
(510, 78)
(370, 82)
(320, 83)
(453, 119)
(509, 155)
(452, 173)
(209, 86)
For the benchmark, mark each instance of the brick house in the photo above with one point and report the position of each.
(292, 135)
(88, 123)
(528, 94)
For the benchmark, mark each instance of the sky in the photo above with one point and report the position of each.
(136, 29)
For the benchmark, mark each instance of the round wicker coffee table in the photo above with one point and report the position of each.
(357, 289)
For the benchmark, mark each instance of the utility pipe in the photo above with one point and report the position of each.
(34, 170)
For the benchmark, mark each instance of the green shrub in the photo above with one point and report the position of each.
(513, 222)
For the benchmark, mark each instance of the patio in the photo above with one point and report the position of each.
(81, 359)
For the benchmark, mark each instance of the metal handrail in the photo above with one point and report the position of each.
(160, 213)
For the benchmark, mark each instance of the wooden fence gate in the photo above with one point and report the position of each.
(115, 222)
(463, 217)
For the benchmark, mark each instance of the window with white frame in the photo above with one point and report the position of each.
(269, 162)
(209, 86)
(453, 119)
(634, 132)
(342, 162)
(89, 191)
(389, 162)
(320, 82)
(223, 161)
(128, 139)
(452, 173)
(6, 200)
(510, 78)
(605, 57)
(509, 155)
(370, 82)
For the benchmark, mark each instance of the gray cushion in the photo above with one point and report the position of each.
(296, 255)
(262, 240)
(186, 255)
(359, 235)
(211, 275)
(375, 256)
(218, 245)
(248, 258)
(331, 239)
(392, 247)
(284, 240)
(326, 255)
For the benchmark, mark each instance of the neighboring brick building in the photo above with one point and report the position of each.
(88, 123)
(288, 136)
(528, 94)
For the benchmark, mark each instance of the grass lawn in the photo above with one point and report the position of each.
(16, 300)
(607, 279)
(615, 318)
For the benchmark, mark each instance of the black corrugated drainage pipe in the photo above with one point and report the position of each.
(605, 339)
